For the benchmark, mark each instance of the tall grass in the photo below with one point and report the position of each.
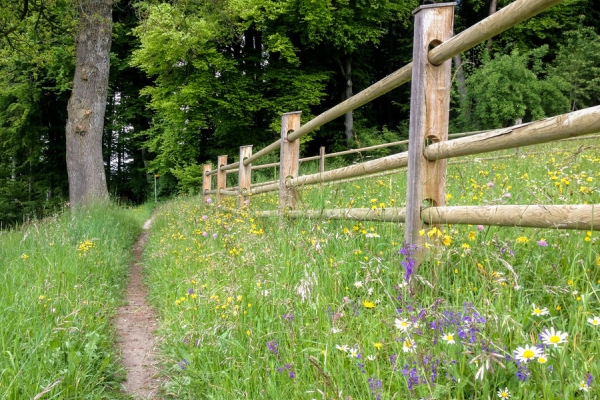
(62, 279)
(321, 309)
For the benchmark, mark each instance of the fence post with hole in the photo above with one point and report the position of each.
(289, 154)
(221, 176)
(244, 176)
(429, 115)
(206, 180)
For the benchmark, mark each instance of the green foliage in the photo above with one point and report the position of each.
(577, 66)
(505, 89)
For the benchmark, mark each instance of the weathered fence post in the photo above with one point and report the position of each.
(289, 161)
(429, 114)
(322, 159)
(244, 176)
(206, 180)
(221, 176)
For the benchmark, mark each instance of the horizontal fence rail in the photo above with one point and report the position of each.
(426, 164)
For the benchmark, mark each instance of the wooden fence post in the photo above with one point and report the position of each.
(244, 176)
(221, 176)
(289, 161)
(429, 115)
(206, 180)
(322, 159)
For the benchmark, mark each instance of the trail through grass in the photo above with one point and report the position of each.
(62, 279)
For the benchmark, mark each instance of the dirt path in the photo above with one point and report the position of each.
(135, 323)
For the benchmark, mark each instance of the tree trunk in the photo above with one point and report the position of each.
(462, 85)
(87, 105)
(493, 9)
(346, 94)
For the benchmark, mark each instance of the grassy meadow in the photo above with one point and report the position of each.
(320, 309)
(62, 279)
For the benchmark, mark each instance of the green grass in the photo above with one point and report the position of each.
(62, 279)
(313, 309)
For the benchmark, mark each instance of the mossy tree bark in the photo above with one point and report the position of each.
(87, 105)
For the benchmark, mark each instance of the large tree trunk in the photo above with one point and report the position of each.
(87, 105)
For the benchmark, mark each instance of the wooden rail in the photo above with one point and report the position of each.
(430, 73)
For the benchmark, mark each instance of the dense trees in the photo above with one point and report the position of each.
(193, 79)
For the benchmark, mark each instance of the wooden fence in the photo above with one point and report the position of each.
(430, 72)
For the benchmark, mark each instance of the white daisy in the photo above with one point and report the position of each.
(594, 321)
(408, 345)
(584, 386)
(402, 324)
(527, 353)
(552, 337)
(343, 348)
(358, 284)
(504, 393)
(449, 338)
(537, 311)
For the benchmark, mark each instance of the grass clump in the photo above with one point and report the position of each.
(309, 309)
(62, 280)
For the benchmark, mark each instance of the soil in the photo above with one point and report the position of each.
(135, 323)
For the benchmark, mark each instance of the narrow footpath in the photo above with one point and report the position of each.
(135, 324)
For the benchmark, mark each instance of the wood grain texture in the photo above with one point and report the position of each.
(578, 123)
(356, 214)
(584, 216)
(289, 158)
(221, 176)
(206, 180)
(394, 161)
(244, 176)
(429, 115)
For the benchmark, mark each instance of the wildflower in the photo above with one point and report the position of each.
(402, 324)
(353, 353)
(335, 330)
(358, 284)
(504, 393)
(408, 345)
(542, 359)
(552, 337)
(368, 304)
(539, 311)
(343, 347)
(273, 346)
(378, 345)
(472, 235)
(480, 227)
(594, 321)
(449, 338)
(522, 239)
(407, 251)
(214, 235)
(447, 240)
(542, 243)
(527, 353)
(584, 386)
(209, 200)
(371, 357)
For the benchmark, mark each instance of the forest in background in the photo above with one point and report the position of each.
(194, 79)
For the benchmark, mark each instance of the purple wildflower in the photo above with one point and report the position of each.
(409, 262)
(273, 346)
(542, 243)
